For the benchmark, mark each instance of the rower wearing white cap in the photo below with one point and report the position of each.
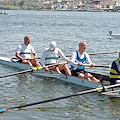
(50, 56)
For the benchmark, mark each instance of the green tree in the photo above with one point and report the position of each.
(21, 3)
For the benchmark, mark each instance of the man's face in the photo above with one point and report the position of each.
(27, 41)
(83, 46)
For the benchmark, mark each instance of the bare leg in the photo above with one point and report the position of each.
(66, 68)
(89, 76)
(81, 75)
(27, 62)
(57, 70)
(118, 82)
(84, 76)
(35, 63)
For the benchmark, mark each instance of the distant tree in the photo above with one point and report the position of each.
(21, 3)
(15, 3)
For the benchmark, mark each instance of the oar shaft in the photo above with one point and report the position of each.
(27, 58)
(21, 72)
(32, 69)
(50, 100)
(64, 97)
(103, 53)
(105, 66)
(70, 55)
(98, 53)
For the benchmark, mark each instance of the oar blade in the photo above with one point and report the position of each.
(2, 110)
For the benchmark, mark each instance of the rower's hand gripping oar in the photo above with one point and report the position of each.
(32, 69)
(100, 89)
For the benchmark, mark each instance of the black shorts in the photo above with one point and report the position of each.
(20, 61)
(77, 72)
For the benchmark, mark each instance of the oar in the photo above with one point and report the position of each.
(70, 55)
(32, 69)
(115, 91)
(100, 89)
(98, 53)
(105, 66)
(26, 58)
(104, 53)
(21, 72)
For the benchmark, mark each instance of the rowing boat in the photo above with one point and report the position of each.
(104, 79)
(64, 77)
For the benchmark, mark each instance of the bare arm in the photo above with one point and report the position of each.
(18, 56)
(42, 60)
(61, 54)
(35, 55)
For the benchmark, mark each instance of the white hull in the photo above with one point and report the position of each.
(66, 78)
(69, 79)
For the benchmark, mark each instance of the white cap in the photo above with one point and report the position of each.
(53, 44)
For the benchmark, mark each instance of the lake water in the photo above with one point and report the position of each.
(67, 29)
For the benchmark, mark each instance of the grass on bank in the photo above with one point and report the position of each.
(7, 7)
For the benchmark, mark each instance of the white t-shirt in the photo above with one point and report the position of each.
(25, 51)
(49, 57)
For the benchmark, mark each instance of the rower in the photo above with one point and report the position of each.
(24, 52)
(50, 56)
(79, 58)
(115, 72)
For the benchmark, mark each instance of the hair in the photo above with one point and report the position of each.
(81, 42)
(26, 37)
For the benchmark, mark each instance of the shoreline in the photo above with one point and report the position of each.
(6, 7)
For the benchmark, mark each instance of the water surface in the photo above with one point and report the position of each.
(67, 29)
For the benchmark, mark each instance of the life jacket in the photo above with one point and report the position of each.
(114, 72)
(78, 59)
